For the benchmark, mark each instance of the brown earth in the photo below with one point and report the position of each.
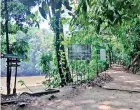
(122, 80)
(84, 99)
(92, 98)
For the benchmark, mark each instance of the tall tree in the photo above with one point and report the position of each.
(17, 12)
(56, 7)
(111, 17)
(55, 17)
(7, 45)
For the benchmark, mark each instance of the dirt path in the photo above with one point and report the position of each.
(85, 99)
(122, 80)
(91, 98)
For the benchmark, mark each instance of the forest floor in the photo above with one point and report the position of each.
(122, 93)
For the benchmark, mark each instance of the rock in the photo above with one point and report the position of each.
(22, 104)
(52, 97)
(74, 87)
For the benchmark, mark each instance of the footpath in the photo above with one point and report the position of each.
(122, 80)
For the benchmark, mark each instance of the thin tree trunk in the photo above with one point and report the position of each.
(7, 46)
(60, 50)
(57, 31)
(136, 59)
(109, 58)
(64, 60)
(109, 55)
(59, 57)
(48, 9)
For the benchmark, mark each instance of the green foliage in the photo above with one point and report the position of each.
(48, 65)
(45, 7)
(53, 80)
(20, 48)
(21, 82)
(13, 28)
(19, 14)
(45, 62)
(128, 36)
(110, 24)
(105, 13)
(114, 21)
(43, 13)
(66, 4)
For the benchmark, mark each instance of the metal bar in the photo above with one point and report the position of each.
(76, 70)
(97, 66)
(88, 69)
(7, 45)
(13, 56)
(13, 65)
(14, 90)
(14, 61)
(72, 71)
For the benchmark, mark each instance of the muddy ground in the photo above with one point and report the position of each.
(84, 97)
(81, 98)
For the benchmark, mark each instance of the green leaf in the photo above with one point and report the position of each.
(21, 82)
(62, 11)
(37, 24)
(28, 12)
(66, 4)
(45, 6)
(70, 13)
(43, 13)
(89, 3)
(64, 20)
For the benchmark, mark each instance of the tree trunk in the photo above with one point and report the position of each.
(60, 50)
(132, 65)
(109, 58)
(64, 60)
(58, 41)
(109, 55)
(7, 46)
